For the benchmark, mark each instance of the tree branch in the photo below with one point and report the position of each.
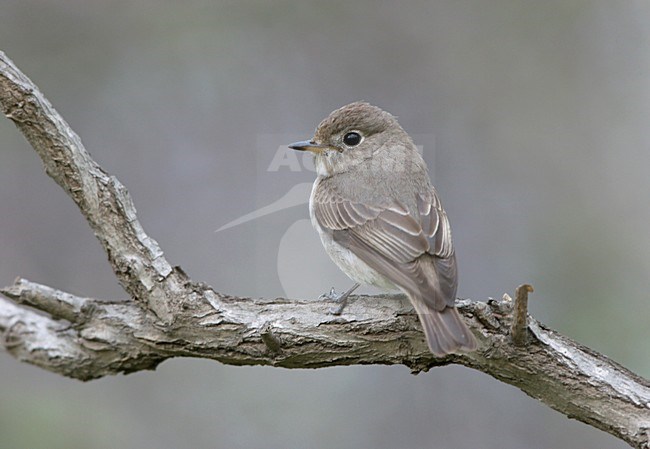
(168, 315)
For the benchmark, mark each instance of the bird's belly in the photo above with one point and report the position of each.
(355, 268)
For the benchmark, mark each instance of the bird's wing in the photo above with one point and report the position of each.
(393, 242)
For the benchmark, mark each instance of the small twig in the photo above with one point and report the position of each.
(519, 328)
(58, 304)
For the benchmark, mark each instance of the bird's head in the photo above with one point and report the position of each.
(353, 134)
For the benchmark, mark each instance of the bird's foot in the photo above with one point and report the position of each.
(340, 298)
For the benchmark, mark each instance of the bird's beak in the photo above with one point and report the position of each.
(308, 145)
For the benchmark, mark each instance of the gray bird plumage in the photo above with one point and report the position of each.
(380, 219)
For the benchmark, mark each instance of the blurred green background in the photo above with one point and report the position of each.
(534, 119)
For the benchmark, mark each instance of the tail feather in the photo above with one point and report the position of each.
(445, 330)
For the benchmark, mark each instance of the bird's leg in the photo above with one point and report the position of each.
(341, 298)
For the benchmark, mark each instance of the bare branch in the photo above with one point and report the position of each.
(169, 315)
(136, 258)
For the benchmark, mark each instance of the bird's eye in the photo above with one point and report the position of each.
(352, 139)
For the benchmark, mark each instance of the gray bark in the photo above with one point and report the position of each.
(169, 315)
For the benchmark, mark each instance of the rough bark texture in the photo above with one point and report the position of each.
(169, 315)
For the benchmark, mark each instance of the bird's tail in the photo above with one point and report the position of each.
(445, 330)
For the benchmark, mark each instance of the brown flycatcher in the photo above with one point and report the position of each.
(381, 221)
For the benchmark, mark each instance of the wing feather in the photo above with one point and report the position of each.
(414, 252)
(435, 224)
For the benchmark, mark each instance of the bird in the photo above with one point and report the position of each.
(381, 221)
